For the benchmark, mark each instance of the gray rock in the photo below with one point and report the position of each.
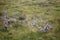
(48, 27)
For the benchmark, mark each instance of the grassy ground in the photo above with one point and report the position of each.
(31, 8)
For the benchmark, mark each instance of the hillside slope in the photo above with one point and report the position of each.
(42, 11)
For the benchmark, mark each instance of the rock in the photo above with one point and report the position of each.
(7, 20)
(48, 27)
(42, 29)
